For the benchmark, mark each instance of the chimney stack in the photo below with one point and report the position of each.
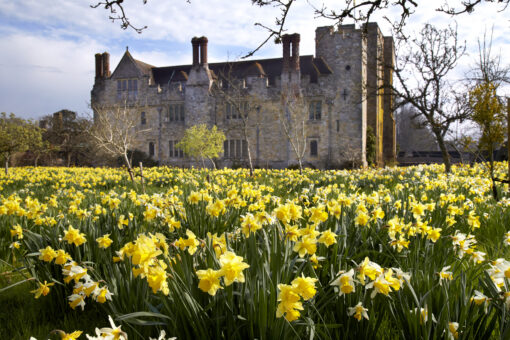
(195, 43)
(286, 52)
(106, 65)
(99, 66)
(203, 51)
(294, 61)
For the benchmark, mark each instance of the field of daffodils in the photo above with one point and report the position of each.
(394, 253)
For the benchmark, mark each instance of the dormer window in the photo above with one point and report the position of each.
(127, 88)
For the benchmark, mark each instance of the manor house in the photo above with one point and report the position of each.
(342, 92)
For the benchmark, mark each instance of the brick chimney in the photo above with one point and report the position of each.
(106, 64)
(294, 60)
(286, 52)
(195, 43)
(203, 50)
(99, 66)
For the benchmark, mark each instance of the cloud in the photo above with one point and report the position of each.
(41, 75)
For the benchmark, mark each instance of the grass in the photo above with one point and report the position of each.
(22, 316)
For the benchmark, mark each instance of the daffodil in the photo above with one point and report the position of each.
(232, 267)
(104, 241)
(209, 280)
(290, 303)
(44, 289)
(368, 268)
(47, 254)
(445, 275)
(17, 231)
(109, 333)
(453, 329)
(62, 257)
(71, 336)
(327, 238)
(73, 236)
(479, 299)
(362, 219)
(249, 224)
(102, 294)
(345, 282)
(305, 287)
(358, 312)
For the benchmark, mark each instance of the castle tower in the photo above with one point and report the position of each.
(389, 130)
(344, 51)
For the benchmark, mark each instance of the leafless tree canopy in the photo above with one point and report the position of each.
(231, 90)
(360, 11)
(488, 67)
(421, 74)
(116, 131)
(117, 13)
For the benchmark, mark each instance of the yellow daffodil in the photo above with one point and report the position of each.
(104, 241)
(47, 254)
(44, 289)
(358, 312)
(73, 236)
(232, 267)
(209, 281)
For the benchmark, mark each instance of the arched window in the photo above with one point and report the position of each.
(313, 148)
(143, 120)
(151, 149)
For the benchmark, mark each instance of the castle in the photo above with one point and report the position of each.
(342, 90)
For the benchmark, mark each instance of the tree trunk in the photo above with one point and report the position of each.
(245, 130)
(213, 164)
(491, 169)
(249, 158)
(68, 156)
(300, 166)
(141, 178)
(444, 151)
(7, 158)
(128, 165)
(36, 160)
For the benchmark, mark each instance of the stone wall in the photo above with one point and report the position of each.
(340, 132)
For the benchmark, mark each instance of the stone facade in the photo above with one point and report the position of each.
(323, 102)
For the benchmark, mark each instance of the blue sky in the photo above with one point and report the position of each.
(48, 46)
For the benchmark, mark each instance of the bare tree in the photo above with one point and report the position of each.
(485, 79)
(488, 67)
(242, 105)
(293, 115)
(116, 130)
(352, 154)
(421, 72)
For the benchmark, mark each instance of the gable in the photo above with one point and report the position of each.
(127, 68)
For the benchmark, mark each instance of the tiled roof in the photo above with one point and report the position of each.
(144, 67)
(270, 68)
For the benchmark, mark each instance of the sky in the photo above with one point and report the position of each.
(48, 46)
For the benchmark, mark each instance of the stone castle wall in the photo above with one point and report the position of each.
(346, 105)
